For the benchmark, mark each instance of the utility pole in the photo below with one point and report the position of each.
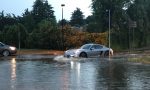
(62, 5)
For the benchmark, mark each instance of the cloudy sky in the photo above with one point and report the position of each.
(17, 7)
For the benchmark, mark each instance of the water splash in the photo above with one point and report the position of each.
(65, 59)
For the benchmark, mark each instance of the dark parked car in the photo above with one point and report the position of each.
(7, 50)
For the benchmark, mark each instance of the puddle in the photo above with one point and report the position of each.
(40, 72)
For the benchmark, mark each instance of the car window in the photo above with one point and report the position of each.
(85, 46)
(97, 46)
(1, 44)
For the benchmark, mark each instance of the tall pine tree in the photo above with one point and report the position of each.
(77, 18)
(42, 10)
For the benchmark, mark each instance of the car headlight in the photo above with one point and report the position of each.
(77, 51)
(12, 48)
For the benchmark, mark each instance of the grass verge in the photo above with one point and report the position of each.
(144, 59)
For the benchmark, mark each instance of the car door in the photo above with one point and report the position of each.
(94, 51)
(1, 47)
(98, 50)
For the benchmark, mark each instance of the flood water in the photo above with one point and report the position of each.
(73, 74)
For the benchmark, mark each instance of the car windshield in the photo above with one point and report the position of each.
(87, 46)
(2, 44)
(97, 46)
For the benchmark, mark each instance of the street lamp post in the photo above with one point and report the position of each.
(62, 5)
(109, 28)
(109, 31)
(132, 24)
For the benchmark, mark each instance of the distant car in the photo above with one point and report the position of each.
(7, 50)
(89, 50)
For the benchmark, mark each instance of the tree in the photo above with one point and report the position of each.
(101, 10)
(1, 20)
(49, 13)
(77, 18)
(9, 19)
(15, 33)
(42, 10)
(121, 13)
(118, 19)
(44, 36)
(28, 21)
(64, 21)
(91, 24)
(138, 12)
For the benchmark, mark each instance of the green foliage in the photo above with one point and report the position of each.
(6, 20)
(64, 22)
(122, 12)
(101, 13)
(15, 33)
(28, 21)
(92, 26)
(139, 13)
(42, 10)
(38, 28)
(41, 37)
(77, 18)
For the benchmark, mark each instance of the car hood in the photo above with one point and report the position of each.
(72, 50)
(10, 47)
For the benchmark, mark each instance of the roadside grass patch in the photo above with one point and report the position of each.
(144, 59)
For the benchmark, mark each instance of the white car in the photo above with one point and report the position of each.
(89, 50)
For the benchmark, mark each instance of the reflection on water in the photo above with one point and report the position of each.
(13, 73)
(138, 76)
(73, 74)
(75, 68)
(13, 69)
(112, 76)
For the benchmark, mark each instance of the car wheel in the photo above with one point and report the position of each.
(106, 54)
(83, 54)
(101, 53)
(5, 53)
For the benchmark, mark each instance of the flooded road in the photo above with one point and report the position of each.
(73, 74)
